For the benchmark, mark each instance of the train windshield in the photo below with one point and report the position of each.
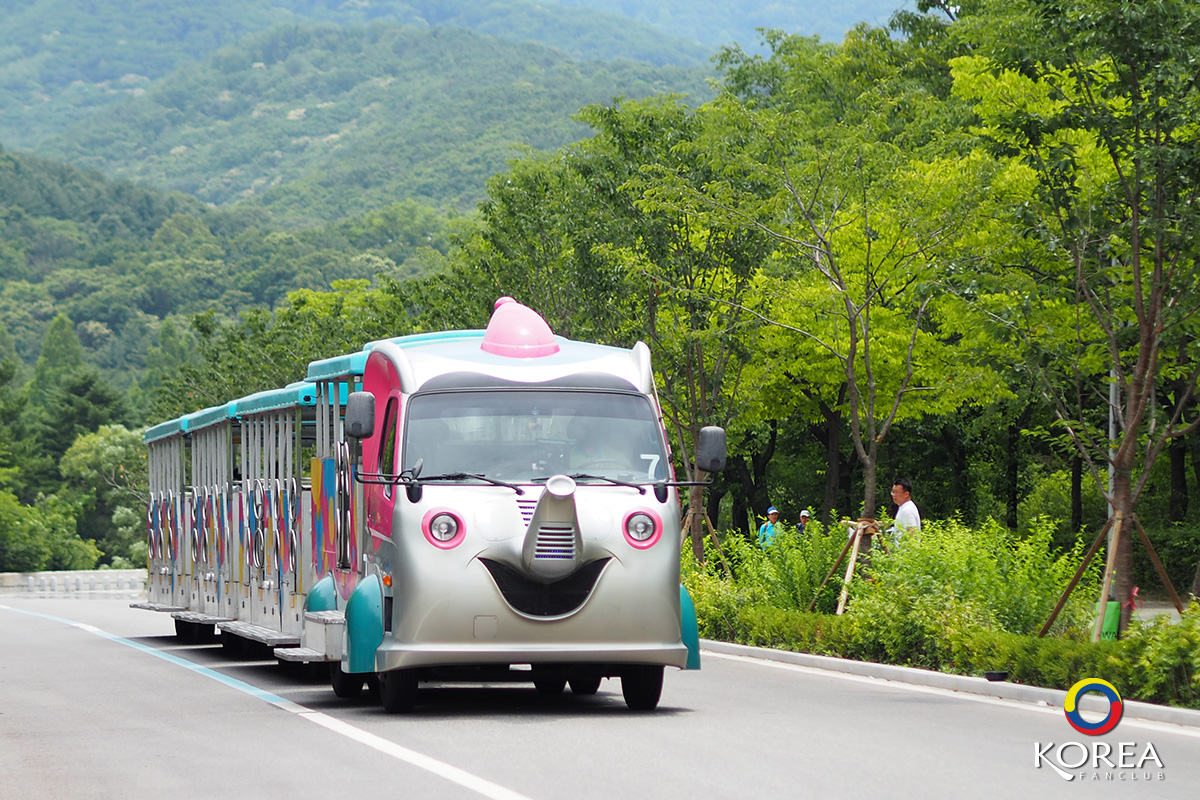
(520, 436)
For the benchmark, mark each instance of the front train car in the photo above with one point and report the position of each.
(521, 519)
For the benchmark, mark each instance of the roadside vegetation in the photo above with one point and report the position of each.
(952, 598)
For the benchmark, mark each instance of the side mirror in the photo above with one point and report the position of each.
(360, 415)
(710, 449)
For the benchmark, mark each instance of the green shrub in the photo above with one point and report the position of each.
(947, 598)
(784, 575)
(1163, 659)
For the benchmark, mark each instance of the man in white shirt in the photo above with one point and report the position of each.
(907, 516)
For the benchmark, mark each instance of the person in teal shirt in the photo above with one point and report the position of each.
(766, 531)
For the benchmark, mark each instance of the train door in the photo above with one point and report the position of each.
(289, 528)
(165, 461)
(187, 593)
(271, 430)
(259, 486)
(211, 473)
(336, 498)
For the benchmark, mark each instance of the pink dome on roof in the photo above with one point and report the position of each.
(518, 331)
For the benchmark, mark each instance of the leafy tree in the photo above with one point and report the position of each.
(1095, 103)
(108, 467)
(20, 548)
(61, 355)
(41, 537)
(265, 351)
(863, 229)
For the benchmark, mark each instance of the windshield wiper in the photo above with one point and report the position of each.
(584, 476)
(459, 476)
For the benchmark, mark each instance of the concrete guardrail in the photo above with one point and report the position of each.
(77, 583)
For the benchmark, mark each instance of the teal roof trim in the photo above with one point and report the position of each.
(163, 430)
(353, 364)
(337, 367)
(207, 417)
(417, 339)
(291, 396)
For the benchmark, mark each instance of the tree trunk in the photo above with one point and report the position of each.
(1076, 493)
(1123, 581)
(742, 518)
(696, 529)
(1178, 504)
(716, 493)
(1193, 442)
(869, 469)
(960, 477)
(833, 457)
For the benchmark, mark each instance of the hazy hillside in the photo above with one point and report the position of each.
(719, 22)
(60, 60)
(119, 258)
(318, 123)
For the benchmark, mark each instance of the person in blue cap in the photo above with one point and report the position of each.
(766, 531)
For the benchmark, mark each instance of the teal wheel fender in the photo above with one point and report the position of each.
(689, 630)
(364, 625)
(322, 596)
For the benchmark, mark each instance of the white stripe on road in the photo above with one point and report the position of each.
(1160, 727)
(448, 772)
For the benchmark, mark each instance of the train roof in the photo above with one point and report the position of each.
(517, 347)
(352, 365)
(198, 420)
(163, 430)
(296, 394)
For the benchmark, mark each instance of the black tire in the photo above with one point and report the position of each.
(585, 685)
(185, 631)
(398, 690)
(205, 634)
(642, 686)
(346, 685)
(549, 687)
(232, 645)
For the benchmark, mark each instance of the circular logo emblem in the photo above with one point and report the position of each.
(1115, 706)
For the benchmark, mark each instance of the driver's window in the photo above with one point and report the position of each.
(387, 446)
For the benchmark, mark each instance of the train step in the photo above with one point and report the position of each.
(323, 633)
(157, 607)
(257, 633)
(300, 654)
(198, 618)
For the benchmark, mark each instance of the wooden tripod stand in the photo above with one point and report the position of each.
(1115, 522)
(860, 543)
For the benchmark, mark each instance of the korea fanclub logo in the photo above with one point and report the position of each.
(1097, 760)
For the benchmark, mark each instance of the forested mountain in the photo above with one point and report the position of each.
(61, 60)
(321, 122)
(118, 259)
(722, 22)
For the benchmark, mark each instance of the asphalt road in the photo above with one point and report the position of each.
(98, 700)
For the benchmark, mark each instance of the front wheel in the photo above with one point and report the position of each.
(641, 685)
(346, 685)
(398, 690)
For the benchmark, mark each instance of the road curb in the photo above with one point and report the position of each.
(954, 683)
